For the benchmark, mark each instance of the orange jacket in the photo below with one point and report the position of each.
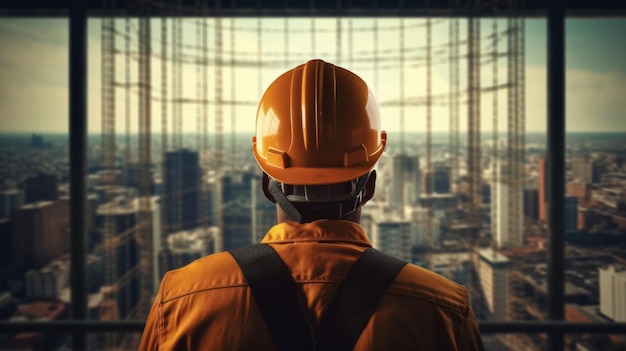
(207, 304)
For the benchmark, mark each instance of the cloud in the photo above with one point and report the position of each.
(33, 75)
(595, 101)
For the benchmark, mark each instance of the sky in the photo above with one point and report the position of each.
(34, 70)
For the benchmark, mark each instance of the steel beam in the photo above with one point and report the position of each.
(78, 163)
(555, 164)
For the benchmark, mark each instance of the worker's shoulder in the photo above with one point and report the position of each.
(424, 285)
(216, 271)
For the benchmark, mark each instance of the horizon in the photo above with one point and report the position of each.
(595, 72)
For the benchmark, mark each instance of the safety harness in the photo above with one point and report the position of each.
(285, 315)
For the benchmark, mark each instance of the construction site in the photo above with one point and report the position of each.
(173, 85)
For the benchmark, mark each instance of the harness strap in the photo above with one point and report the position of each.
(356, 300)
(274, 292)
(286, 317)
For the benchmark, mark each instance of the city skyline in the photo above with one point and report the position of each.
(594, 102)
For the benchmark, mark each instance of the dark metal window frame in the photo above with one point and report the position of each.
(78, 11)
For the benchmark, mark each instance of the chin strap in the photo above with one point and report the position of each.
(332, 210)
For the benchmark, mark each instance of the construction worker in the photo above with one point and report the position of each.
(314, 283)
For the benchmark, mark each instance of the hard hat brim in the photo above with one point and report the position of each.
(317, 175)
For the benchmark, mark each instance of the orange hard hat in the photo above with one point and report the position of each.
(318, 124)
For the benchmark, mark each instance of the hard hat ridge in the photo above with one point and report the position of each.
(318, 124)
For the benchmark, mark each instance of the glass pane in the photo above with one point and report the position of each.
(173, 179)
(595, 203)
(34, 177)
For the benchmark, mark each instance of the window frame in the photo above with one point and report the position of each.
(555, 325)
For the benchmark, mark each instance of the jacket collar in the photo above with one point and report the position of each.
(324, 230)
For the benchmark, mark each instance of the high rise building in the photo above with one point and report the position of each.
(117, 220)
(263, 211)
(612, 281)
(507, 219)
(42, 187)
(10, 199)
(181, 248)
(571, 215)
(237, 221)
(47, 282)
(531, 203)
(393, 238)
(404, 189)
(418, 219)
(493, 269)
(585, 170)
(542, 189)
(439, 181)
(40, 233)
(6, 238)
(181, 191)
(579, 190)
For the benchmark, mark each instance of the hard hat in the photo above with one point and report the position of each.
(318, 124)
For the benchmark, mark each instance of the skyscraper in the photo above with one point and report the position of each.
(181, 191)
(118, 219)
(585, 170)
(393, 237)
(439, 181)
(507, 219)
(42, 187)
(612, 283)
(493, 269)
(263, 211)
(571, 215)
(542, 189)
(40, 233)
(10, 199)
(406, 182)
(531, 203)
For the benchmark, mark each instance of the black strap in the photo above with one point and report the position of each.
(332, 210)
(356, 300)
(286, 317)
(274, 292)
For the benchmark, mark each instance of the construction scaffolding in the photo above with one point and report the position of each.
(180, 52)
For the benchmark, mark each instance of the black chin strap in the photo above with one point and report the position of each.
(334, 210)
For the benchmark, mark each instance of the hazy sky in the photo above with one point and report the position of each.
(34, 70)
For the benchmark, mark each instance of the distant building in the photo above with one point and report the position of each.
(439, 181)
(184, 247)
(493, 270)
(40, 233)
(181, 191)
(42, 187)
(613, 293)
(542, 190)
(585, 170)
(48, 281)
(6, 238)
(531, 203)
(506, 217)
(36, 141)
(117, 220)
(236, 220)
(571, 215)
(10, 199)
(420, 228)
(393, 238)
(404, 189)
(263, 211)
(579, 190)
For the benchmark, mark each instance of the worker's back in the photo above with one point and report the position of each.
(208, 305)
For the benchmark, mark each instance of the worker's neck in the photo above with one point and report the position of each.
(282, 217)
